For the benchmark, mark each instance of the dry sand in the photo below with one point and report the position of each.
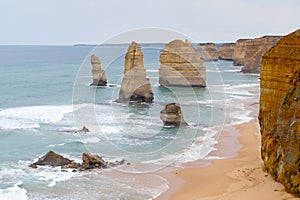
(240, 177)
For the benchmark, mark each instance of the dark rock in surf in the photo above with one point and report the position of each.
(92, 161)
(52, 159)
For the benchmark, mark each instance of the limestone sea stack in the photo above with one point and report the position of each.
(181, 66)
(279, 114)
(135, 85)
(207, 51)
(254, 51)
(99, 77)
(172, 115)
(226, 51)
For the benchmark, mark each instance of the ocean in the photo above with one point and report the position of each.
(46, 96)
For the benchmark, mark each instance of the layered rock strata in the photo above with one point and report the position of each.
(279, 115)
(254, 51)
(207, 51)
(172, 115)
(226, 51)
(99, 77)
(135, 85)
(181, 66)
(239, 52)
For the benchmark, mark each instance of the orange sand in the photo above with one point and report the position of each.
(241, 177)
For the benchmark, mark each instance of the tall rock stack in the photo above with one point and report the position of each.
(207, 51)
(135, 85)
(255, 49)
(226, 51)
(181, 66)
(279, 115)
(99, 77)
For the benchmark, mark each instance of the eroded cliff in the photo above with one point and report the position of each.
(181, 66)
(239, 52)
(226, 51)
(207, 51)
(279, 115)
(255, 49)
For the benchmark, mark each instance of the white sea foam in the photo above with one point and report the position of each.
(241, 116)
(231, 90)
(90, 140)
(213, 71)
(31, 117)
(200, 148)
(52, 175)
(158, 186)
(232, 70)
(15, 192)
(152, 70)
(56, 145)
(246, 85)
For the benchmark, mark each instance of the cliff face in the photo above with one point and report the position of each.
(135, 85)
(255, 49)
(239, 52)
(99, 77)
(180, 66)
(279, 115)
(207, 51)
(226, 51)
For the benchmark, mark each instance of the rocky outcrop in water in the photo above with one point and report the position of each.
(135, 85)
(181, 66)
(99, 77)
(207, 51)
(226, 51)
(172, 115)
(92, 161)
(254, 51)
(89, 161)
(52, 159)
(83, 130)
(279, 115)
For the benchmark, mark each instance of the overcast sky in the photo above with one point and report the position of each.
(94, 21)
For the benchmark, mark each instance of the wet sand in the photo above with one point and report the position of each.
(238, 177)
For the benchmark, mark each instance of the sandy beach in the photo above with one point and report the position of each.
(240, 177)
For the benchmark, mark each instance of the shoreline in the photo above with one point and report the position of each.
(239, 176)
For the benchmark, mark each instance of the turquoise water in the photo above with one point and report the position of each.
(45, 96)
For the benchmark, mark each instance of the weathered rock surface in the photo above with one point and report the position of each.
(172, 115)
(89, 161)
(92, 161)
(255, 49)
(279, 115)
(181, 66)
(239, 52)
(52, 159)
(99, 77)
(226, 51)
(207, 51)
(135, 85)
